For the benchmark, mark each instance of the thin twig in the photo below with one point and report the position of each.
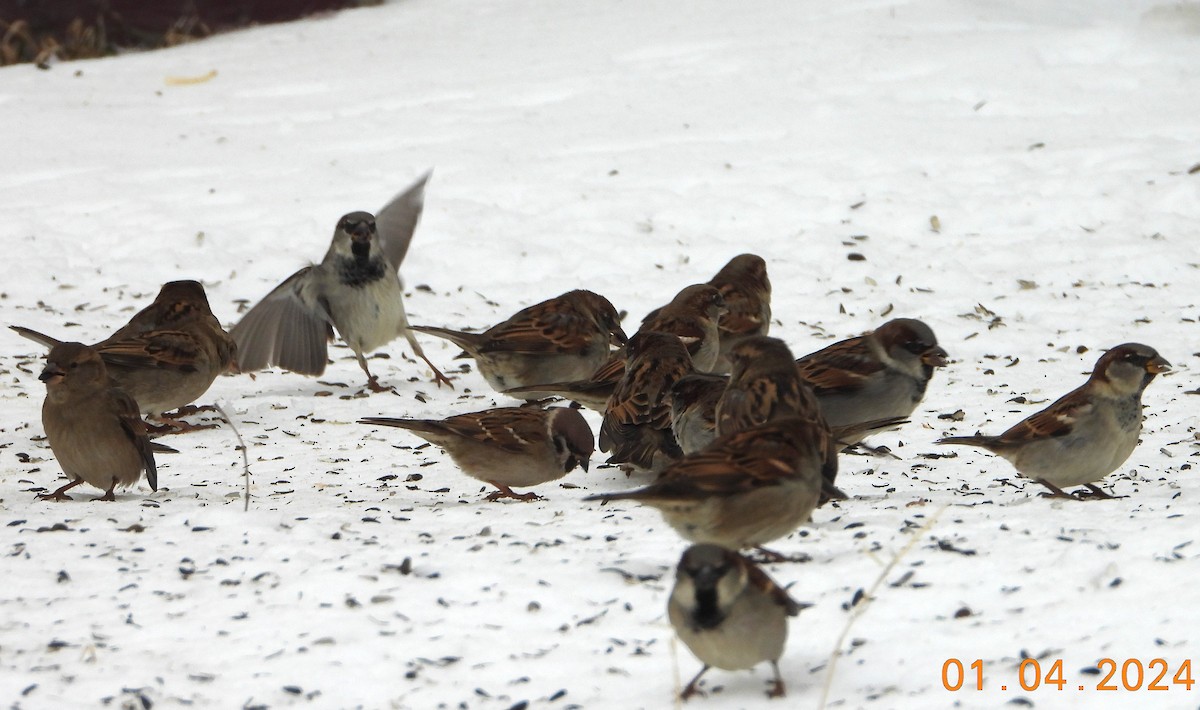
(245, 457)
(861, 608)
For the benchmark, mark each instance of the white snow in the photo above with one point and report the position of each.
(631, 147)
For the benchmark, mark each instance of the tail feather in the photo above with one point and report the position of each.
(35, 336)
(466, 341)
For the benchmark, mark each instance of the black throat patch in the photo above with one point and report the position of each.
(361, 270)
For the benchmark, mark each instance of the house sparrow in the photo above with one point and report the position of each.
(508, 446)
(93, 428)
(764, 385)
(691, 316)
(637, 422)
(729, 613)
(874, 376)
(744, 285)
(694, 409)
(1086, 434)
(169, 353)
(559, 340)
(746, 488)
(356, 288)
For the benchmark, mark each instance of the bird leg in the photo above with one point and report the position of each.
(506, 492)
(372, 380)
(108, 495)
(777, 689)
(437, 374)
(61, 493)
(691, 690)
(171, 425)
(1098, 492)
(1056, 492)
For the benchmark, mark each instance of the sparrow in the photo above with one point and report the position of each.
(1086, 434)
(508, 446)
(562, 339)
(744, 286)
(694, 409)
(636, 428)
(744, 489)
(691, 316)
(875, 376)
(93, 428)
(729, 613)
(356, 289)
(169, 353)
(764, 384)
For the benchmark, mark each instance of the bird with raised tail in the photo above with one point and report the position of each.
(1089, 432)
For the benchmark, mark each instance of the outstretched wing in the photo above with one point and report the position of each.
(398, 219)
(284, 330)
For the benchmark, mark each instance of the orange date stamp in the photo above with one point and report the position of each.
(1126, 675)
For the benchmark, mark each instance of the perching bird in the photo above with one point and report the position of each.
(691, 316)
(356, 289)
(564, 338)
(636, 428)
(508, 446)
(745, 489)
(93, 428)
(875, 376)
(744, 285)
(729, 613)
(1089, 432)
(169, 353)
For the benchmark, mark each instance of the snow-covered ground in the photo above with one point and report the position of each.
(631, 147)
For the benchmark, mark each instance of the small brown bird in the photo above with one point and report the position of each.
(694, 409)
(764, 385)
(729, 613)
(508, 446)
(169, 353)
(1089, 432)
(878, 375)
(637, 423)
(691, 316)
(744, 285)
(356, 289)
(565, 338)
(745, 489)
(93, 428)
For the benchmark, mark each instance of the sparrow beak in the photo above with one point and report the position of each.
(583, 463)
(1158, 365)
(935, 357)
(360, 232)
(617, 337)
(52, 374)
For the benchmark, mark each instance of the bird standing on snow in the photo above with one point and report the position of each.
(1086, 434)
(169, 353)
(93, 428)
(508, 446)
(729, 613)
(356, 288)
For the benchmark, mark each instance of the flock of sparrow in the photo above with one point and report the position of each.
(740, 437)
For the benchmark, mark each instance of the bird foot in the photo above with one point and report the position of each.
(506, 492)
(109, 496)
(56, 495)
(374, 386)
(777, 689)
(188, 410)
